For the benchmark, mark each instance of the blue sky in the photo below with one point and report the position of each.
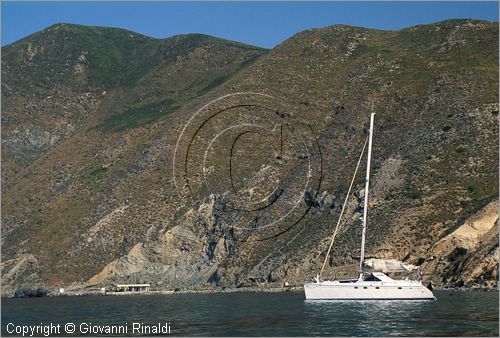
(264, 24)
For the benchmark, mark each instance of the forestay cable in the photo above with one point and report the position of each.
(337, 227)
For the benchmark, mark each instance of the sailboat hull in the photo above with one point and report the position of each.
(361, 290)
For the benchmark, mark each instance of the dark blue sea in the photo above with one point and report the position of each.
(454, 313)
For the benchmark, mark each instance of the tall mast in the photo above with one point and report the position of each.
(365, 211)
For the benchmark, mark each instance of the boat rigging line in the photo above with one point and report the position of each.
(337, 227)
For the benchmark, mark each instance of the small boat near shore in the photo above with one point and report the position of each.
(372, 283)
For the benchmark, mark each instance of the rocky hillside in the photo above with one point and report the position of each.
(199, 162)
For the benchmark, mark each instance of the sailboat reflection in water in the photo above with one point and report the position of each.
(372, 282)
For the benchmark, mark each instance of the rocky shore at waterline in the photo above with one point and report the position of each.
(41, 292)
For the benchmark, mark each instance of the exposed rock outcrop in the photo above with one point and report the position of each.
(468, 256)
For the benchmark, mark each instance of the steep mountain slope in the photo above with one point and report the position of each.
(100, 203)
(55, 80)
(52, 82)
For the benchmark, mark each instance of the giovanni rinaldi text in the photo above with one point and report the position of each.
(87, 328)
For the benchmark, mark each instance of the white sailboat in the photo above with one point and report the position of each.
(372, 282)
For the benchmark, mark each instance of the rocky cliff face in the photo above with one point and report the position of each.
(469, 255)
(198, 162)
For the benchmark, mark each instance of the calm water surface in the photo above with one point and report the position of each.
(455, 313)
